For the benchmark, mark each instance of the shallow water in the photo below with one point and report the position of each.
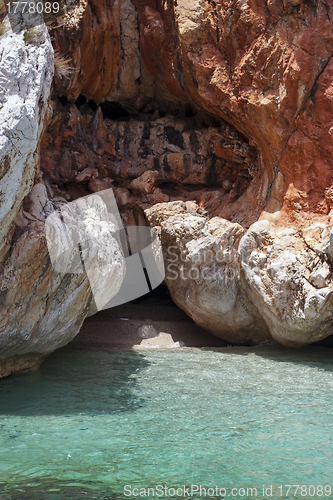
(88, 423)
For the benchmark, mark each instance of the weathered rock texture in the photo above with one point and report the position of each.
(203, 271)
(221, 111)
(249, 85)
(84, 153)
(41, 307)
(263, 66)
(288, 278)
(25, 77)
(247, 286)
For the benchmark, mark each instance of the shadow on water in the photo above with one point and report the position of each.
(314, 357)
(48, 489)
(74, 382)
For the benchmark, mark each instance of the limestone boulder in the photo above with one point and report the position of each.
(42, 306)
(289, 281)
(247, 286)
(46, 292)
(202, 271)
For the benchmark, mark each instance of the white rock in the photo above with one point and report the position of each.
(203, 272)
(318, 278)
(179, 344)
(43, 307)
(264, 284)
(284, 289)
(26, 73)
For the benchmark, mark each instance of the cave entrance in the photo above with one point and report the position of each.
(110, 109)
(198, 156)
(153, 320)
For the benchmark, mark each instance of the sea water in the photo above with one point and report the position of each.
(235, 422)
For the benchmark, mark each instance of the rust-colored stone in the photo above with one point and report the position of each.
(232, 105)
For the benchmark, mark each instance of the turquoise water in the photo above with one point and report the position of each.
(89, 423)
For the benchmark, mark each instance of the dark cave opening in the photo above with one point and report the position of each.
(80, 101)
(117, 111)
(63, 100)
(114, 111)
(199, 156)
(110, 109)
(156, 310)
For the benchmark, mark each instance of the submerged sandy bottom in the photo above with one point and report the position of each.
(92, 422)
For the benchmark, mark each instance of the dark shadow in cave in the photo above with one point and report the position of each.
(328, 342)
(117, 112)
(114, 111)
(63, 100)
(80, 101)
(111, 110)
(118, 327)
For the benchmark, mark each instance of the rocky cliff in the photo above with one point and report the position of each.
(211, 121)
(41, 308)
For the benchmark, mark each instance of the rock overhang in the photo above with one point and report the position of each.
(262, 70)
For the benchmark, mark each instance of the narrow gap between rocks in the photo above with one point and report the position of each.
(153, 320)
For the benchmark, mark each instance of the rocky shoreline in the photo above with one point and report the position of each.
(211, 124)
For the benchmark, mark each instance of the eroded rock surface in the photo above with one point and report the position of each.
(289, 281)
(203, 271)
(265, 69)
(209, 115)
(44, 303)
(81, 151)
(247, 286)
(26, 72)
(42, 308)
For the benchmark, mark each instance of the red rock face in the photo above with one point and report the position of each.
(263, 66)
(147, 160)
(259, 65)
(92, 38)
(226, 104)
